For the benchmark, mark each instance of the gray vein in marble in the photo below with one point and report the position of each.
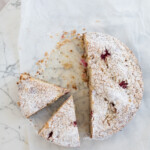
(12, 102)
(10, 70)
(3, 47)
(6, 127)
(16, 4)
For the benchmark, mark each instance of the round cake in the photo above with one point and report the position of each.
(115, 83)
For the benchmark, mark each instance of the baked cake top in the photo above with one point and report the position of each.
(35, 94)
(115, 82)
(61, 128)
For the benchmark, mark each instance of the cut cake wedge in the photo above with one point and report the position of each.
(61, 129)
(35, 94)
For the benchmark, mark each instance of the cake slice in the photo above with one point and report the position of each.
(115, 83)
(35, 94)
(61, 129)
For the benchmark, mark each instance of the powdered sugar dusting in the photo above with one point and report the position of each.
(61, 124)
(112, 105)
(35, 94)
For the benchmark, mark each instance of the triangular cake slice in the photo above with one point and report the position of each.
(115, 83)
(61, 129)
(35, 94)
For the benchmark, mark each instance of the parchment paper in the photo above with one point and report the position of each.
(127, 20)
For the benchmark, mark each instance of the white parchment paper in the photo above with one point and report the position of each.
(125, 19)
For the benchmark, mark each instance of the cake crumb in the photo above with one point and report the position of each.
(97, 21)
(73, 77)
(67, 66)
(73, 32)
(39, 62)
(18, 103)
(24, 78)
(63, 35)
(59, 44)
(84, 77)
(74, 86)
(68, 85)
(38, 73)
(51, 36)
(46, 54)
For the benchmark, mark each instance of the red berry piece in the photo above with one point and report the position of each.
(83, 62)
(123, 84)
(75, 123)
(91, 113)
(103, 56)
(63, 36)
(50, 134)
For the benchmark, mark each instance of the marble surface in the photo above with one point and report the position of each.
(13, 127)
(127, 20)
(3, 3)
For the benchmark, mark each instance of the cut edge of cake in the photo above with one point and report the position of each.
(89, 75)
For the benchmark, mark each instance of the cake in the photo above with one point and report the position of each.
(61, 128)
(115, 84)
(35, 94)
